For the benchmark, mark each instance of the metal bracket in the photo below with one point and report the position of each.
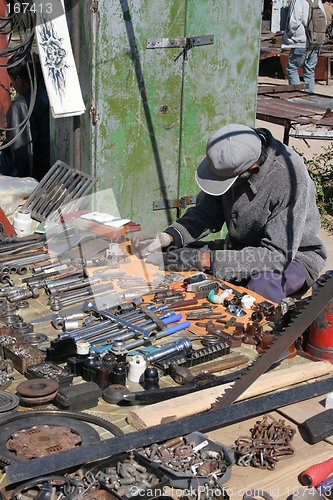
(175, 203)
(182, 42)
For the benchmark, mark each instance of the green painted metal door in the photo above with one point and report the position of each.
(150, 113)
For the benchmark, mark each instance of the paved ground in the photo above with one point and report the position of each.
(308, 148)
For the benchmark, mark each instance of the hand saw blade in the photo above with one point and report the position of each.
(296, 327)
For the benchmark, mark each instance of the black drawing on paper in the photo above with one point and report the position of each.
(55, 56)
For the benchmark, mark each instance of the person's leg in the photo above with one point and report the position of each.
(309, 66)
(275, 286)
(295, 61)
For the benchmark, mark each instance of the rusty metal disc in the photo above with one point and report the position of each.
(43, 440)
(42, 431)
(37, 388)
(38, 401)
(8, 402)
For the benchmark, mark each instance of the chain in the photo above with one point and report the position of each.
(270, 441)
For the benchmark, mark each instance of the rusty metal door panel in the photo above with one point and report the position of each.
(150, 114)
(220, 80)
(136, 100)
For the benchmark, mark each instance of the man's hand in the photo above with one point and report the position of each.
(149, 241)
(182, 259)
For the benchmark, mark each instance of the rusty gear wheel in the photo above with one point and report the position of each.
(31, 423)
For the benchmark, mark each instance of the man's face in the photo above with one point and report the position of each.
(18, 84)
(243, 178)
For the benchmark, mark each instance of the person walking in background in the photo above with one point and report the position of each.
(301, 53)
(28, 137)
(328, 7)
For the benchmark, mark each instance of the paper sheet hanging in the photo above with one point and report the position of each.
(57, 60)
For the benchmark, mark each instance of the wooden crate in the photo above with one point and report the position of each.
(32, 355)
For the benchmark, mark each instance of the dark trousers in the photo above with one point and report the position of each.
(275, 286)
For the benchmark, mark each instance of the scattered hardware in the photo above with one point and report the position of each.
(292, 332)
(203, 288)
(126, 473)
(168, 296)
(6, 373)
(191, 460)
(51, 371)
(23, 355)
(194, 357)
(79, 485)
(145, 437)
(270, 442)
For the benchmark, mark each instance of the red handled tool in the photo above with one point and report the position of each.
(316, 473)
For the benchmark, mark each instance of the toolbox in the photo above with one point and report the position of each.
(51, 371)
(23, 355)
(114, 465)
(8, 337)
(192, 480)
(78, 397)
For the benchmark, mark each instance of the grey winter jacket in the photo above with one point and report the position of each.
(272, 220)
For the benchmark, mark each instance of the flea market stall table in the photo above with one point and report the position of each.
(280, 482)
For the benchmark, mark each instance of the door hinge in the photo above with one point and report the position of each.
(93, 115)
(175, 203)
(94, 6)
(185, 43)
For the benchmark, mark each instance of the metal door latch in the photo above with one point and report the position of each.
(186, 43)
(174, 203)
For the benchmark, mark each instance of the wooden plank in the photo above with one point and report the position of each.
(185, 406)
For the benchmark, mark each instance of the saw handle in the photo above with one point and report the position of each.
(316, 473)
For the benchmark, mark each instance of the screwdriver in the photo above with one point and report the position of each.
(326, 487)
(316, 473)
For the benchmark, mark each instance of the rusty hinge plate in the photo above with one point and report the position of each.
(167, 43)
(175, 203)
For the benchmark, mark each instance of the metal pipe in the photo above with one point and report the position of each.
(27, 260)
(84, 330)
(118, 333)
(181, 345)
(159, 335)
(75, 285)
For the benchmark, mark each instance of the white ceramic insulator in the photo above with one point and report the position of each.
(22, 222)
(218, 299)
(82, 347)
(247, 301)
(136, 368)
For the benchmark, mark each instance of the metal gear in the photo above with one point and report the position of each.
(75, 422)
